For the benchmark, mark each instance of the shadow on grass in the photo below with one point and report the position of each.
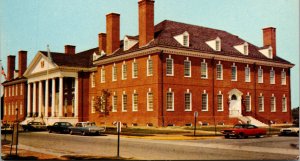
(15, 157)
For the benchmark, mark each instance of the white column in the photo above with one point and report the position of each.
(60, 103)
(40, 98)
(28, 100)
(34, 99)
(53, 98)
(76, 98)
(46, 97)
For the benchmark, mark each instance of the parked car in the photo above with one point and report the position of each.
(60, 127)
(289, 131)
(34, 126)
(86, 128)
(243, 131)
(5, 128)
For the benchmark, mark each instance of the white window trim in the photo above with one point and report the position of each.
(273, 110)
(113, 73)
(137, 106)
(262, 75)
(173, 108)
(191, 104)
(123, 110)
(13, 90)
(250, 108)
(263, 103)
(247, 68)
(148, 74)
(113, 103)
(169, 58)
(283, 82)
(284, 110)
(148, 109)
(21, 108)
(273, 77)
(190, 68)
(206, 72)
(204, 92)
(123, 74)
(102, 75)
(221, 71)
(93, 110)
(93, 81)
(220, 94)
(233, 65)
(134, 62)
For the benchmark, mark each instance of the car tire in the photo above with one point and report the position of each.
(50, 131)
(227, 136)
(83, 133)
(71, 132)
(240, 136)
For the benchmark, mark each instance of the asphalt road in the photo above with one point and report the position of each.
(274, 148)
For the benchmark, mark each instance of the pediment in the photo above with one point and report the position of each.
(39, 64)
(236, 92)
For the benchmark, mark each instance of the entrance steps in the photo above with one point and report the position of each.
(251, 120)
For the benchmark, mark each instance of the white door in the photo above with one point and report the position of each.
(235, 107)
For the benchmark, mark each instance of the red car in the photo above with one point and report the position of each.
(243, 131)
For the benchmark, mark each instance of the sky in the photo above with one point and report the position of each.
(32, 24)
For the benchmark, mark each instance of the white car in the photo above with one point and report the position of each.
(289, 131)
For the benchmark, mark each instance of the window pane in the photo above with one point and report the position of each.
(150, 101)
(233, 73)
(220, 102)
(135, 70)
(283, 78)
(261, 103)
(203, 70)
(204, 102)
(124, 102)
(135, 102)
(260, 76)
(187, 68)
(284, 104)
(273, 104)
(124, 72)
(115, 98)
(150, 67)
(169, 66)
(248, 107)
(187, 100)
(219, 71)
(169, 101)
(247, 74)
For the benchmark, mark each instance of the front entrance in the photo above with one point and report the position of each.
(235, 103)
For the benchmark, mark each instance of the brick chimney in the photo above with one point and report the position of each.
(113, 32)
(70, 49)
(22, 62)
(146, 21)
(269, 35)
(11, 60)
(102, 42)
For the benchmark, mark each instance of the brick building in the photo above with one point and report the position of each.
(161, 77)
(15, 89)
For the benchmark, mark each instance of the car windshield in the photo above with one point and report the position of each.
(238, 126)
(89, 124)
(36, 123)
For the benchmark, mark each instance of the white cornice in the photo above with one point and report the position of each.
(191, 54)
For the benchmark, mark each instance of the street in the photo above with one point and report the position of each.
(278, 148)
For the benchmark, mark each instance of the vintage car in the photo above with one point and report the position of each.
(243, 131)
(34, 126)
(60, 127)
(289, 131)
(86, 128)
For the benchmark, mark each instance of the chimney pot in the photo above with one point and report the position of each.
(146, 21)
(269, 38)
(102, 42)
(11, 60)
(113, 32)
(70, 49)
(22, 64)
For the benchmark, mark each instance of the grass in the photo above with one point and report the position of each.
(143, 131)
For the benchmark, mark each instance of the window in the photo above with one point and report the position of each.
(233, 73)
(150, 101)
(9, 89)
(185, 40)
(248, 102)
(124, 102)
(204, 70)
(247, 74)
(187, 68)
(8, 109)
(21, 108)
(13, 90)
(284, 109)
(204, 102)
(16, 89)
(219, 72)
(273, 104)
(102, 75)
(135, 101)
(270, 53)
(170, 101)
(218, 47)
(125, 44)
(93, 79)
(170, 70)
(260, 75)
(21, 89)
(272, 76)
(114, 103)
(124, 71)
(261, 103)
(188, 101)
(114, 73)
(220, 101)
(134, 69)
(246, 49)
(149, 67)
(283, 77)
(93, 110)
(12, 109)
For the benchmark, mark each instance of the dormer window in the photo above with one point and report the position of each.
(129, 42)
(215, 44)
(243, 48)
(270, 52)
(267, 52)
(183, 39)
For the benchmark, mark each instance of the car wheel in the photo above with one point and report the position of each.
(226, 136)
(83, 133)
(97, 133)
(50, 131)
(240, 136)
(71, 132)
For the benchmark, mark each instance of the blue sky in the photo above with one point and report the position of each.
(32, 24)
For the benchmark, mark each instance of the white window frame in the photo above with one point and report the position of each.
(16, 88)
(247, 74)
(172, 66)
(221, 72)
(185, 103)
(283, 77)
(124, 71)
(170, 92)
(13, 90)
(235, 75)
(149, 67)
(148, 100)
(93, 110)
(21, 108)
(135, 107)
(9, 90)
(248, 109)
(185, 40)
(204, 64)
(189, 68)
(262, 109)
(260, 79)
(12, 109)
(114, 102)
(21, 89)
(134, 72)
(93, 83)
(222, 102)
(284, 104)
(9, 109)
(204, 93)
(273, 108)
(102, 77)
(114, 73)
(272, 79)
(123, 109)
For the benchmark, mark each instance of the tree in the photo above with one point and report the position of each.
(295, 113)
(102, 102)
